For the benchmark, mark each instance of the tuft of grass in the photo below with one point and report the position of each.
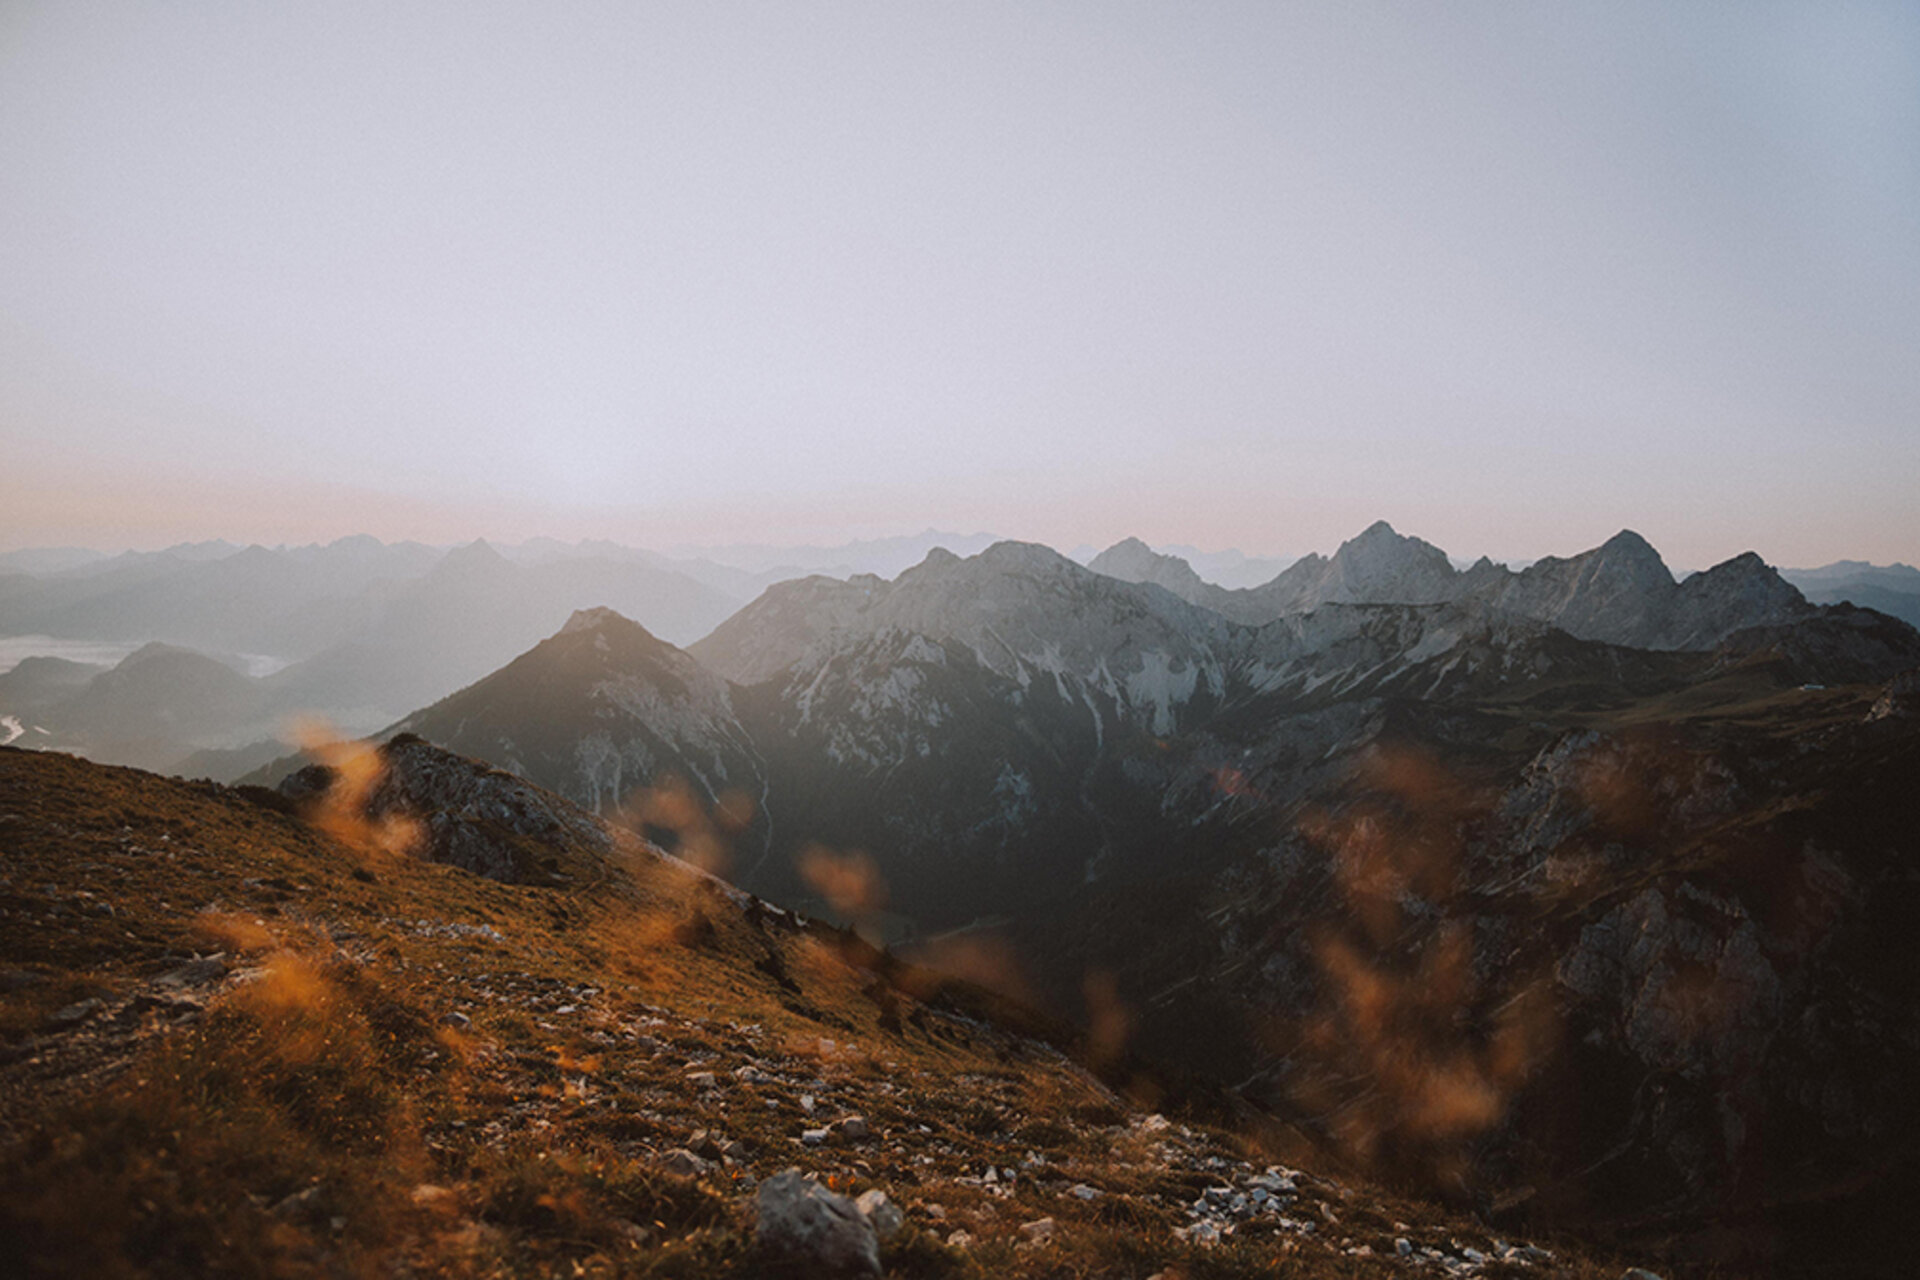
(588, 1195)
(275, 1138)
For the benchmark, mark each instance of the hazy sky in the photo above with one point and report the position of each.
(1511, 276)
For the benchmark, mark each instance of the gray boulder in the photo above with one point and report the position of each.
(803, 1224)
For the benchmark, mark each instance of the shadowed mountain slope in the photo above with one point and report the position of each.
(604, 713)
(154, 707)
(37, 683)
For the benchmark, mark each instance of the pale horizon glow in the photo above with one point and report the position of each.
(1510, 277)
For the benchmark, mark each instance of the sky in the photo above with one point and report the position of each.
(1511, 276)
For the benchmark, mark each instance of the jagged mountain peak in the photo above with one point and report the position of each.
(1631, 539)
(596, 618)
(1375, 566)
(475, 559)
(479, 548)
(1026, 555)
(787, 619)
(1132, 560)
(1732, 596)
(1380, 536)
(1748, 573)
(1131, 556)
(597, 711)
(617, 645)
(937, 557)
(357, 542)
(1746, 564)
(1377, 531)
(942, 571)
(1628, 552)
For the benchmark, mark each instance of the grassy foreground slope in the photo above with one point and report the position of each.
(234, 1044)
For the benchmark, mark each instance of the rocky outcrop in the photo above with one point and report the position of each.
(412, 797)
(1901, 701)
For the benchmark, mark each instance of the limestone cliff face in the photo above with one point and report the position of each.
(761, 640)
(1129, 651)
(1694, 947)
(1702, 970)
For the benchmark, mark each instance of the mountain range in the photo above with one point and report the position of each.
(1621, 592)
(358, 632)
(1891, 589)
(1250, 834)
(1499, 884)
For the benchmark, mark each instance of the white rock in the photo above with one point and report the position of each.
(884, 1214)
